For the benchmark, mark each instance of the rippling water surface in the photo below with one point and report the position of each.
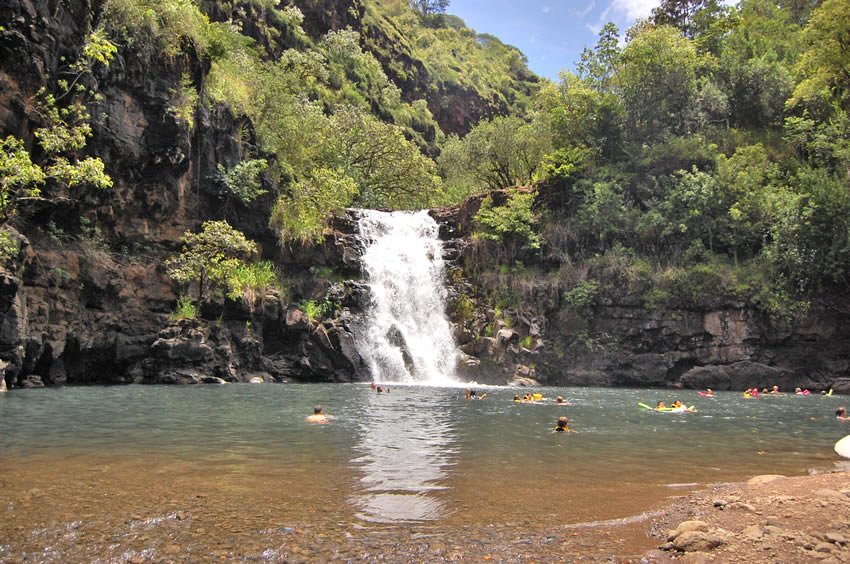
(234, 471)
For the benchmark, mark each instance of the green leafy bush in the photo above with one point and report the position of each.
(515, 220)
(249, 282)
(242, 181)
(211, 257)
(186, 309)
(582, 297)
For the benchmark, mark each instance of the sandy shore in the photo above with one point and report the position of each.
(767, 519)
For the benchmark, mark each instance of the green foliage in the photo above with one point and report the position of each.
(300, 214)
(186, 309)
(210, 257)
(512, 222)
(582, 297)
(464, 308)
(8, 247)
(242, 181)
(19, 176)
(317, 311)
(826, 57)
(185, 101)
(497, 153)
(527, 342)
(657, 79)
(249, 282)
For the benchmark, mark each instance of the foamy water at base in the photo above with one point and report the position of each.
(235, 472)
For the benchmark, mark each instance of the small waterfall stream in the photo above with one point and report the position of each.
(408, 337)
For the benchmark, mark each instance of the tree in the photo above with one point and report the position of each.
(388, 170)
(511, 223)
(210, 257)
(692, 17)
(598, 65)
(426, 7)
(657, 81)
(577, 114)
(498, 153)
(756, 64)
(826, 58)
(299, 214)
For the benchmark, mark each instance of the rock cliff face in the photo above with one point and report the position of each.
(730, 347)
(87, 300)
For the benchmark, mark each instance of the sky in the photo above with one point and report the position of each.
(551, 33)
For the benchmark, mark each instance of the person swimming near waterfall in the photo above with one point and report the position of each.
(318, 416)
(841, 414)
(563, 426)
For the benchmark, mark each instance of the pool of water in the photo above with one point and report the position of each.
(122, 473)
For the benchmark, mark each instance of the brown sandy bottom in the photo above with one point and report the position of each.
(111, 509)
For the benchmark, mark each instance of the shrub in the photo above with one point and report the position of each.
(514, 220)
(582, 297)
(249, 282)
(464, 307)
(185, 309)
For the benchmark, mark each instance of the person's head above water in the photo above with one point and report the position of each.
(318, 410)
(841, 412)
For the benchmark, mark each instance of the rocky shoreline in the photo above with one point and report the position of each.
(769, 518)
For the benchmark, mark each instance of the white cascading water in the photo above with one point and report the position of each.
(408, 337)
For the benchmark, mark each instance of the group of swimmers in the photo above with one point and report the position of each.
(661, 406)
(754, 392)
(535, 398)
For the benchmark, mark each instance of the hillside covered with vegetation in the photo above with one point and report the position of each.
(697, 159)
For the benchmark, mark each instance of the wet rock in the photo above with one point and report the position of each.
(30, 381)
(213, 380)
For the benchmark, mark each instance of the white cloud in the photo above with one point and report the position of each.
(594, 29)
(586, 10)
(632, 9)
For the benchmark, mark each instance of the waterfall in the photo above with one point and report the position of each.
(408, 337)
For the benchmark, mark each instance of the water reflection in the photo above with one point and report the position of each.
(405, 448)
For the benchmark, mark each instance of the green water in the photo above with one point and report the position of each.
(417, 455)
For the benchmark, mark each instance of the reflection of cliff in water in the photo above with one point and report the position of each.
(404, 455)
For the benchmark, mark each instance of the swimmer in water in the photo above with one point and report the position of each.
(318, 416)
(841, 414)
(563, 426)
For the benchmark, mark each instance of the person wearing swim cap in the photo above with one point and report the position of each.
(318, 416)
